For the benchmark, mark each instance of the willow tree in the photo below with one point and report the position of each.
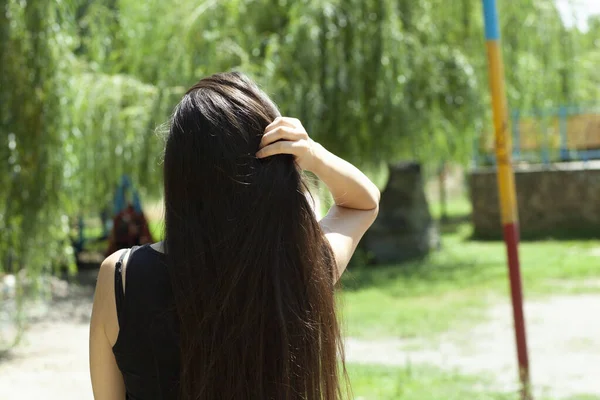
(67, 132)
(371, 84)
(585, 61)
(34, 58)
(373, 79)
(85, 84)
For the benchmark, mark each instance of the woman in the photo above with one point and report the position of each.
(238, 301)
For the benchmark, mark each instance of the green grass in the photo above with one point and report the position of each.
(449, 287)
(417, 383)
(425, 382)
(457, 207)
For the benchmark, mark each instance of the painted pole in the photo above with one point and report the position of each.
(506, 186)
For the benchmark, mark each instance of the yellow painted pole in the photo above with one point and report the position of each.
(506, 186)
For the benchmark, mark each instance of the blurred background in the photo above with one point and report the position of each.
(398, 87)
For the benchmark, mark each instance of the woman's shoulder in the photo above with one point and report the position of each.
(104, 298)
(138, 264)
(110, 262)
(106, 273)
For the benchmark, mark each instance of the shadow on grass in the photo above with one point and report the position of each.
(466, 264)
(445, 265)
(575, 233)
(453, 223)
(437, 268)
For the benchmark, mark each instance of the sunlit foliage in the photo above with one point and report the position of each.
(84, 84)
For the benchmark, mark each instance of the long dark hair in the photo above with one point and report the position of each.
(251, 271)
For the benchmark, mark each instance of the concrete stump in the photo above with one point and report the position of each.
(404, 229)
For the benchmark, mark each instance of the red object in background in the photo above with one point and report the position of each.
(130, 228)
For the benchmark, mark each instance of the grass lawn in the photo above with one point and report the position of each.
(450, 286)
(426, 383)
(371, 382)
(448, 290)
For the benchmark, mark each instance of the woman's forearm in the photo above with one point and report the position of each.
(349, 187)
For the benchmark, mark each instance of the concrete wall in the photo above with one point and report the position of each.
(560, 199)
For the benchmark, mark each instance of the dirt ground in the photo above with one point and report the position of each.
(564, 340)
(51, 362)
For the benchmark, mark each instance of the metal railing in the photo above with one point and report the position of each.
(566, 133)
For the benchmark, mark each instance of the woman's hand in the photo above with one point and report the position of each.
(356, 197)
(288, 136)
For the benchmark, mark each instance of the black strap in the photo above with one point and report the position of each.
(119, 293)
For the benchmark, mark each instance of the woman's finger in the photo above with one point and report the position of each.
(293, 121)
(282, 147)
(282, 133)
(280, 121)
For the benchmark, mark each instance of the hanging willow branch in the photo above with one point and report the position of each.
(84, 84)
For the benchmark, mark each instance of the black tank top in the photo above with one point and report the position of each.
(147, 350)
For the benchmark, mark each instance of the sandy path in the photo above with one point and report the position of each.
(51, 362)
(564, 347)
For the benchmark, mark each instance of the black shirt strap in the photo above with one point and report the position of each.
(119, 293)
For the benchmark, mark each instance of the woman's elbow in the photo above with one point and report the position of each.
(375, 199)
(373, 213)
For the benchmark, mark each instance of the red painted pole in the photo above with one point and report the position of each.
(511, 238)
